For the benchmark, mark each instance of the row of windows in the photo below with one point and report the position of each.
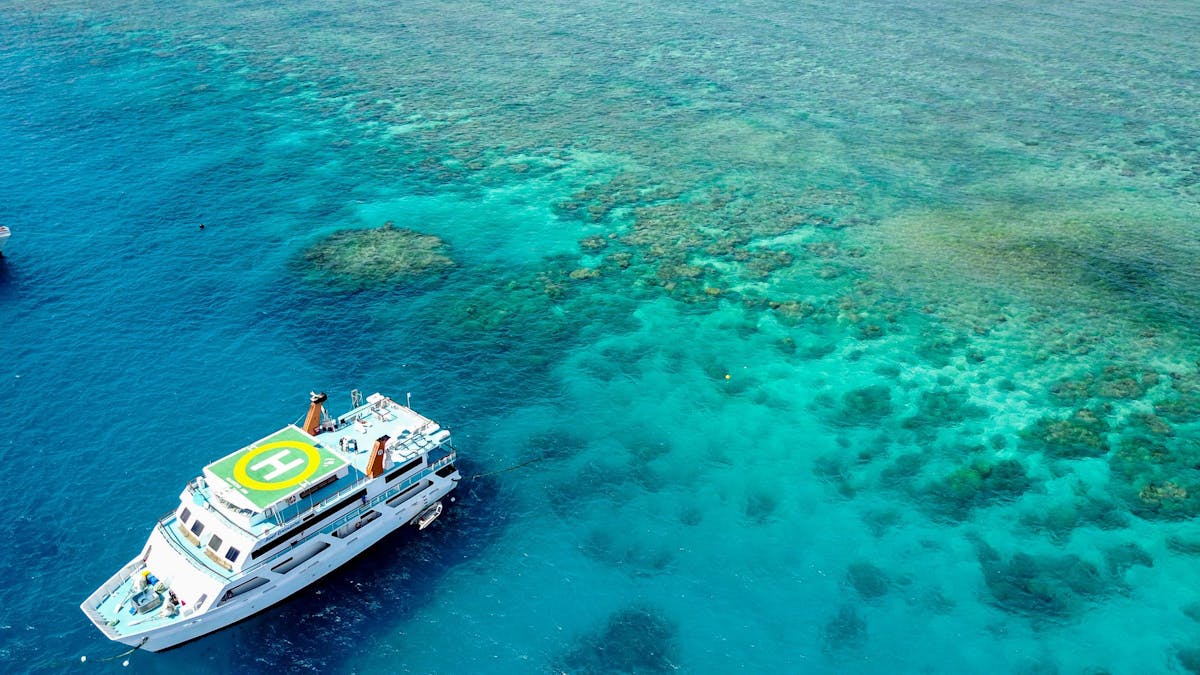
(214, 542)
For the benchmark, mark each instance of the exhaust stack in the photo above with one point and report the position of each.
(312, 422)
(378, 454)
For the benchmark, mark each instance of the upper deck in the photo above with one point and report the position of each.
(275, 470)
(266, 484)
(410, 433)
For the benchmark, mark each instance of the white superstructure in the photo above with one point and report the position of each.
(264, 522)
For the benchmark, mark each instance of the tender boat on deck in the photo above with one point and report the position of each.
(275, 516)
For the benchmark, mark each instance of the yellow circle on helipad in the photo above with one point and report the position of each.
(310, 452)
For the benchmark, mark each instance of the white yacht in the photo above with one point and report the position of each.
(264, 522)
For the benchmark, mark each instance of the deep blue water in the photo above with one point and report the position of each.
(845, 338)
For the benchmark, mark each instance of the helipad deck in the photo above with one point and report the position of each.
(274, 469)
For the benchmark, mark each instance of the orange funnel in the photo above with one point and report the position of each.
(312, 421)
(375, 461)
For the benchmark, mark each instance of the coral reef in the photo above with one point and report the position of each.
(633, 640)
(880, 522)
(866, 405)
(1189, 659)
(1166, 500)
(902, 470)
(844, 630)
(942, 407)
(1083, 434)
(1184, 406)
(1184, 545)
(833, 469)
(553, 444)
(365, 258)
(637, 558)
(1042, 586)
(1062, 518)
(1150, 425)
(1120, 559)
(1120, 381)
(1158, 480)
(981, 482)
(761, 506)
(868, 580)
(1181, 409)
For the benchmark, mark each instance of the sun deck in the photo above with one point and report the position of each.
(263, 486)
(411, 434)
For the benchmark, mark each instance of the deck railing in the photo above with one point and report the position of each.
(114, 582)
(357, 513)
(187, 551)
(410, 442)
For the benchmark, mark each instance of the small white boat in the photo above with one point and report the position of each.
(428, 516)
(5, 233)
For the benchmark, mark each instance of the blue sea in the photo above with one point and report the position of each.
(775, 337)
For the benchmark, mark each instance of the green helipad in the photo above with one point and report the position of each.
(276, 467)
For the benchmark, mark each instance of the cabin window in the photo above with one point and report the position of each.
(403, 493)
(214, 543)
(298, 531)
(185, 515)
(404, 469)
(232, 554)
(299, 559)
(197, 528)
(243, 587)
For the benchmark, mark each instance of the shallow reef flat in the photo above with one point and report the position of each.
(375, 257)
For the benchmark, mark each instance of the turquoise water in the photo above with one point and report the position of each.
(842, 338)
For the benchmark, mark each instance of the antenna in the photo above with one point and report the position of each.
(409, 400)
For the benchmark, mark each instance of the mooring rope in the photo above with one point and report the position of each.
(84, 659)
(127, 653)
(511, 468)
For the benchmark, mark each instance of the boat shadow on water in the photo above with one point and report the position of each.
(362, 603)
